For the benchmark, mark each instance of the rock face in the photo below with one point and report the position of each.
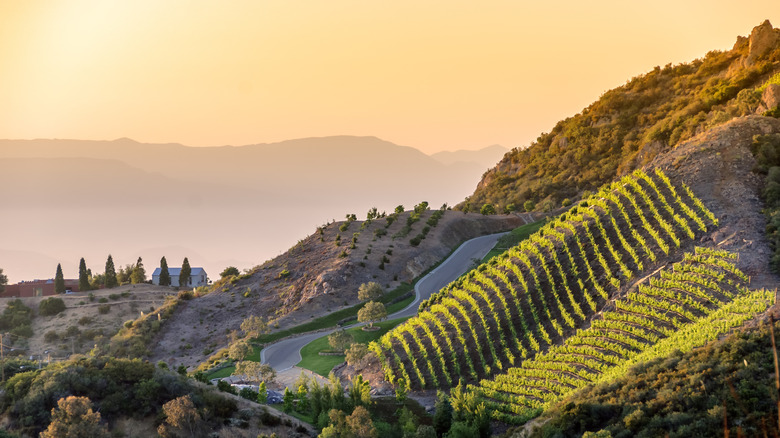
(763, 38)
(770, 99)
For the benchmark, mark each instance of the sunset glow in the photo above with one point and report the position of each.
(433, 75)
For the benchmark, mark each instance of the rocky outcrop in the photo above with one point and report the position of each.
(770, 98)
(763, 39)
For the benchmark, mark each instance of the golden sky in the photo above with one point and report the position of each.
(435, 75)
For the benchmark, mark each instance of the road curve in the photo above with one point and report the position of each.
(285, 354)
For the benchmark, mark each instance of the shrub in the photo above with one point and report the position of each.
(51, 336)
(103, 300)
(104, 308)
(114, 297)
(51, 306)
(85, 320)
(284, 274)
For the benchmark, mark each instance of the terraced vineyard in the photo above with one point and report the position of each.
(541, 292)
(696, 300)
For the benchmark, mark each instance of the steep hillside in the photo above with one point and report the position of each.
(670, 257)
(321, 274)
(630, 125)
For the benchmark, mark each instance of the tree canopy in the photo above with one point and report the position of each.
(83, 276)
(138, 274)
(370, 291)
(372, 312)
(184, 274)
(165, 276)
(110, 273)
(59, 280)
(73, 418)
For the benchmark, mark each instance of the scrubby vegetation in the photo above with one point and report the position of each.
(626, 128)
(116, 387)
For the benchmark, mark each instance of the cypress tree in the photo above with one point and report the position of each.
(184, 275)
(110, 274)
(165, 277)
(83, 276)
(59, 280)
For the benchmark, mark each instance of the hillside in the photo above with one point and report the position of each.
(89, 319)
(627, 127)
(319, 275)
(670, 257)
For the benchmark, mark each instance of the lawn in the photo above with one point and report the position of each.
(311, 359)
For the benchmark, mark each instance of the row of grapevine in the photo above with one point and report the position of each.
(546, 288)
(680, 307)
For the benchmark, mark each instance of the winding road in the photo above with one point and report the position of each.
(285, 354)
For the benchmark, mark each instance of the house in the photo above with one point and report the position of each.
(37, 288)
(198, 277)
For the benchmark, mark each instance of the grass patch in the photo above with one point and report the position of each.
(401, 305)
(224, 372)
(311, 359)
(307, 418)
(513, 238)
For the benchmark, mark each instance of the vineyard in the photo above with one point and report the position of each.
(545, 290)
(695, 301)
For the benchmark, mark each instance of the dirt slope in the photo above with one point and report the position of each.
(317, 277)
(717, 164)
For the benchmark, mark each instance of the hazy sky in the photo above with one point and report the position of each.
(429, 74)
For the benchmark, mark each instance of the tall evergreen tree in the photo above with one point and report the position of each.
(83, 276)
(139, 273)
(3, 281)
(59, 280)
(110, 274)
(184, 274)
(165, 277)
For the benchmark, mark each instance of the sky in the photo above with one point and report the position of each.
(434, 75)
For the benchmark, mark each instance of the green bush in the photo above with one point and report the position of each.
(104, 308)
(51, 306)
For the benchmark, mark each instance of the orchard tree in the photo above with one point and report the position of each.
(370, 291)
(59, 280)
(110, 273)
(184, 274)
(83, 276)
(165, 277)
(139, 272)
(372, 312)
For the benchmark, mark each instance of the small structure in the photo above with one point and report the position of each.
(38, 288)
(198, 277)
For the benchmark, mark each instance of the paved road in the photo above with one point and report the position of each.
(285, 354)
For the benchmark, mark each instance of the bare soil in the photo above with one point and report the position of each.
(319, 275)
(79, 307)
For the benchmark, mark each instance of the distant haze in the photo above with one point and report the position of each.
(219, 206)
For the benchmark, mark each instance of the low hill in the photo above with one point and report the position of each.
(627, 127)
(164, 195)
(319, 275)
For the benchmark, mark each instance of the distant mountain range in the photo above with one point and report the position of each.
(64, 199)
